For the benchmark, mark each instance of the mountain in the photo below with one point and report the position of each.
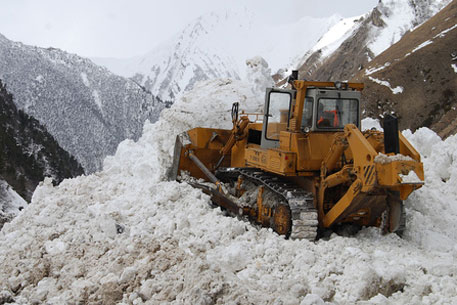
(217, 45)
(29, 153)
(416, 78)
(349, 46)
(86, 108)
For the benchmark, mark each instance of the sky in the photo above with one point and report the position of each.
(126, 28)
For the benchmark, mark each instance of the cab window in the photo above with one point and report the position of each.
(307, 118)
(278, 114)
(336, 113)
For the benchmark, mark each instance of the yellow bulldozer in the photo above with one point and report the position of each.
(306, 166)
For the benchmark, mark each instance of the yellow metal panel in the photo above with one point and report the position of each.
(388, 174)
(273, 160)
(285, 140)
(407, 149)
(343, 204)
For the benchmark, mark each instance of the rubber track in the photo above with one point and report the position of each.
(299, 201)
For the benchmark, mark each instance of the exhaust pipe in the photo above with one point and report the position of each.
(391, 138)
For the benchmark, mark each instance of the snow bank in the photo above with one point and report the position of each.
(432, 210)
(125, 235)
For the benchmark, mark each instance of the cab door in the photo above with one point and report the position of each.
(277, 112)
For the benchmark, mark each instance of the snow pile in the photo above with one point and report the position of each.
(432, 209)
(411, 177)
(259, 74)
(126, 235)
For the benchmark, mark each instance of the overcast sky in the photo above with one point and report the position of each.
(124, 28)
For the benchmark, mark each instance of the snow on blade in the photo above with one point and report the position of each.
(125, 235)
(385, 159)
(410, 178)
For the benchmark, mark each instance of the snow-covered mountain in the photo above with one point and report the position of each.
(218, 45)
(85, 107)
(351, 44)
(126, 235)
(28, 152)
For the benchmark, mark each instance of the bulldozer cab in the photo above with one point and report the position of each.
(324, 108)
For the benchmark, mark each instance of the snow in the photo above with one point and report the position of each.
(400, 17)
(428, 42)
(385, 159)
(395, 90)
(336, 35)
(444, 32)
(39, 78)
(126, 235)
(201, 51)
(370, 71)
(10, 203)
(369, 123)
(97, 99)
(66, 92)
(410, 178)
(422, 45)
(85, 79)
(259, 74)
(454, 67)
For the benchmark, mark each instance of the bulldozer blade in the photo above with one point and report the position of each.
(181, 140)
(198, 143)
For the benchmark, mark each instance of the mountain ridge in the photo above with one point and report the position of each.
(202, 51)
(378, 30)
(29, 153)
(88, 109)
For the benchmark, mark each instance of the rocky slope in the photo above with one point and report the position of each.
(86, 108)
(28, 152)
(416, 78)
(366, 38)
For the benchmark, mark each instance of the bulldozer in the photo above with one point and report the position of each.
(304, 166)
